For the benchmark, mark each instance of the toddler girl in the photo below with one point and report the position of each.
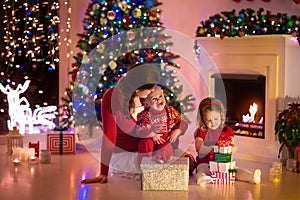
(211, 131)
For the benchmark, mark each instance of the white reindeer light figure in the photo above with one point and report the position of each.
(20, 112)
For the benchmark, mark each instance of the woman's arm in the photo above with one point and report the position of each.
(109, 130)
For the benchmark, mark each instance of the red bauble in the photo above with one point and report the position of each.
(74, 74)
(222, 36)
(296, 1)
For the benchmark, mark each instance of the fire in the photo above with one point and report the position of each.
(250, 118)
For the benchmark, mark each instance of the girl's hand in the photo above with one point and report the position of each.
(157, 139)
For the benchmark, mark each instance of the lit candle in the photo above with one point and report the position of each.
(29, 152)
(16, 161)
(32, 159)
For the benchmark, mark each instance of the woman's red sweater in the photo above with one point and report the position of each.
(119, 134)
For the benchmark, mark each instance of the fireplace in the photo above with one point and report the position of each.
(244, 100)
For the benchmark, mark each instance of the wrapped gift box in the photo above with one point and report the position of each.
(223, 177)
(61, 143)
(223, 157)
(220, 149)
(167, 176)
(221, 167)
(224, 143)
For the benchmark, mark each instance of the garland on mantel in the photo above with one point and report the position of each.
(249, 22)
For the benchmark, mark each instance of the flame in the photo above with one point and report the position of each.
(252, 111)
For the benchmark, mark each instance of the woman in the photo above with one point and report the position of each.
(117, 121)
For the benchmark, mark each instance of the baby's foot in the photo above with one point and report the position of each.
(256, 176)
(170, 159)
(160, 161)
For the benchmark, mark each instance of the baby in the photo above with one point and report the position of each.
(159, 126)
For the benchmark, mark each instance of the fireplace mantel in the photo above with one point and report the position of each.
(274, 56)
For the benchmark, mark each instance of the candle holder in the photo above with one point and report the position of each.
(14, 139)
(36, 146)
(45, 156)
(275, 172)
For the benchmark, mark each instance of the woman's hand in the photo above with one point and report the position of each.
(98, 179)
(142, 93)
(157, 139)
(164, 154)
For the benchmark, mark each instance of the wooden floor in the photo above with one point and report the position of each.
(60, 180)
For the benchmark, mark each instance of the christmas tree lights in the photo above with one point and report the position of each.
(31, 51)
(126, 25)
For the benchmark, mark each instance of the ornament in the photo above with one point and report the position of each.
(137, 13)
(100, 47)
(126, 21)
(96, 6)
(201, 31)
(122, 5)
(294, 34)
(153, 15)
(92, 39)
(85, 90)
(111, 15)
(103, 21)
(296, 1)
(74, 73)
(241, 33)
(222, 36)
(130, 35)
(112, 64)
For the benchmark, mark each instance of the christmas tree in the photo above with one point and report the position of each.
(118, 34)
(30, 52)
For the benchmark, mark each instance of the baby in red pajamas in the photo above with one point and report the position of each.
(159, 126)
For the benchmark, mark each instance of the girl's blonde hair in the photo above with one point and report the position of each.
(210, 104)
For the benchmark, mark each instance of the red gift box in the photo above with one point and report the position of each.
(223, 143)
(64, 145)
(223, 177)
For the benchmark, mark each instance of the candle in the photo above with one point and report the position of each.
(28, 152)
(32, 159)
(45, 156)
(16, 158)
(16, 161)
(17, 150)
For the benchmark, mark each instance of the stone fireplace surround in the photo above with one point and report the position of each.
(274, 56)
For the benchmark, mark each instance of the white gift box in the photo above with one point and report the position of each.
(221, 167)
(222, 149)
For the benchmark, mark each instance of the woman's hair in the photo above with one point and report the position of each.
(147, 86)
(140, 76)
(210, 104)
